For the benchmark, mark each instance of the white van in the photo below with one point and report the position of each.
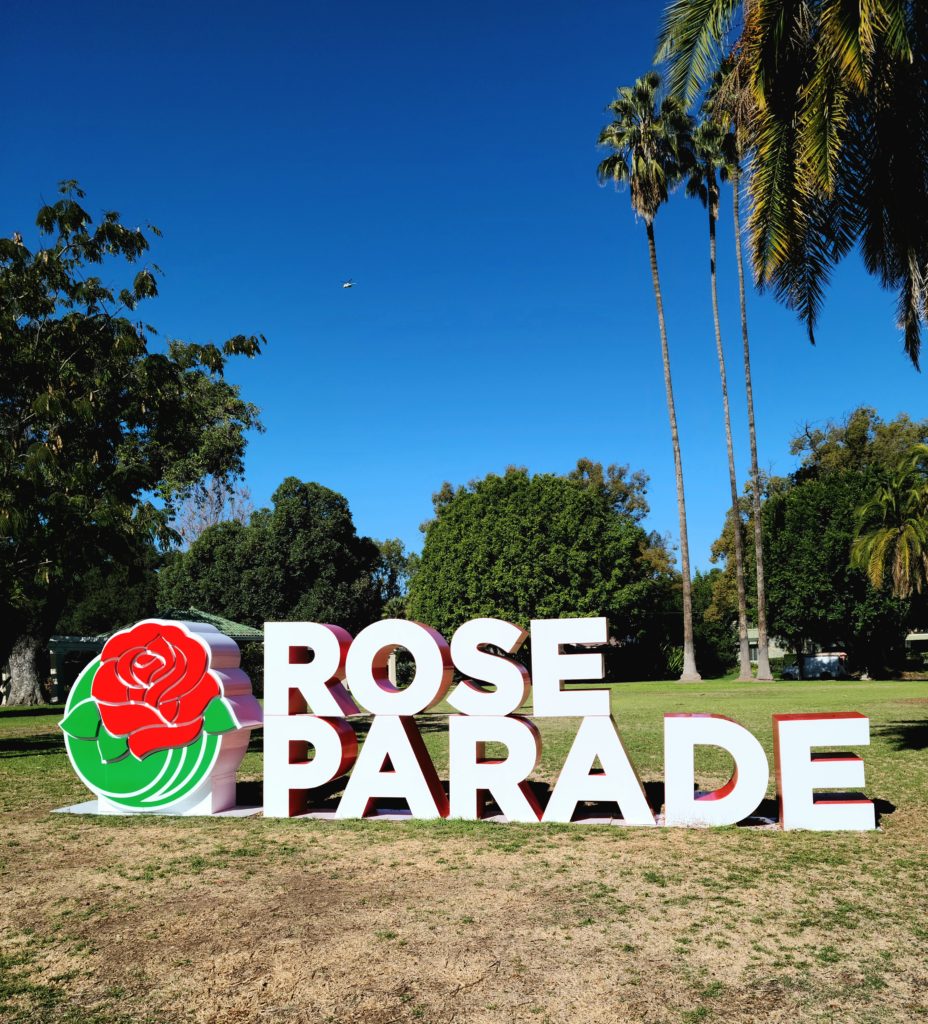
(825, 665)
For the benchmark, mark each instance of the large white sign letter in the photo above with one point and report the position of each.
(800, 771)
(734, 801)
(550, 667)
(617, 783)
(473, 774)
(393, 763)
(511, 679)
(367, 667)
(288, 772)
(304, 665)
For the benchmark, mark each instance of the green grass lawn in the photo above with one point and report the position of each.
(107, 919)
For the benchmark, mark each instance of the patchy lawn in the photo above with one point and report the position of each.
(240, 920)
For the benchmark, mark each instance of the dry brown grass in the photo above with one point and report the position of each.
(305, 921)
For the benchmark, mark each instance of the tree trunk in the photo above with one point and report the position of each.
(25, 686)
(763, 656)
(690, 673)
(744, 649)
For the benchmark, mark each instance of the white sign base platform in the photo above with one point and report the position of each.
(95, 807)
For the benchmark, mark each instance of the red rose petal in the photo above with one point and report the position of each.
(106, 686)
(147, 741)
(197, 662)
(137, 638)
(123, 719)
(193, 703)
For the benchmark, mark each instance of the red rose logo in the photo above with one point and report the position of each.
(153, 686)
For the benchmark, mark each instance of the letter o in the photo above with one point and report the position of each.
(366, 667)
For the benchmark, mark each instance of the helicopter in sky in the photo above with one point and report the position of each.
(348, 284)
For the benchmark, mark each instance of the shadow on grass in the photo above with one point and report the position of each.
(6, 713)
(31, 746)
(910, 735)
(768, 810)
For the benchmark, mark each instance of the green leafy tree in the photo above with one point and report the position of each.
(713, 148)
(112, 594)
(862, 441)
(519, 547)
(392, 575)
(816, 596)
(650, 150)
(100, 434)
(835, 107)
(853, 460)
(892, 528)
(716, 636)
(299, 560)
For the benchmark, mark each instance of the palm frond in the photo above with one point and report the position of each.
(885, 172)
(823, 123)
(892, 528)
(910, 310)
(649, 142)
(771, 187)
(799, 280)
(692, 41)
(847, 34)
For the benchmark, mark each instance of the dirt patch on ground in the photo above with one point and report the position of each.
(307, 922)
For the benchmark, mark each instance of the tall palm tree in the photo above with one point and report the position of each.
(649, 143)
(730, 105)
(712, 151)
(838, 133)
(892, 528)
(763, 642)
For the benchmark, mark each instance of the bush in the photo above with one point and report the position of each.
(778, 664)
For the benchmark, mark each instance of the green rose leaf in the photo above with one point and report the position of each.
(82, 721)
(219, 716)
(112, 748)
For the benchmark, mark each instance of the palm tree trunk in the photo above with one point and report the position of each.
(689, 672)
(763, 657)
(744, 649)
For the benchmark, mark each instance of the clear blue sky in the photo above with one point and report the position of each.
(443, 156)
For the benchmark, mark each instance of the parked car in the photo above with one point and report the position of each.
(826, 665)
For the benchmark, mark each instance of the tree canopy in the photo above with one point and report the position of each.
(810, 521)
(518, 546)
(815, 595)
(830, 102)
(101, 430)
(299, 560)
(112, 594)
(649, 144)
(862, 441)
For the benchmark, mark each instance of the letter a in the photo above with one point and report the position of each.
(410, 777)
(618, 783)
